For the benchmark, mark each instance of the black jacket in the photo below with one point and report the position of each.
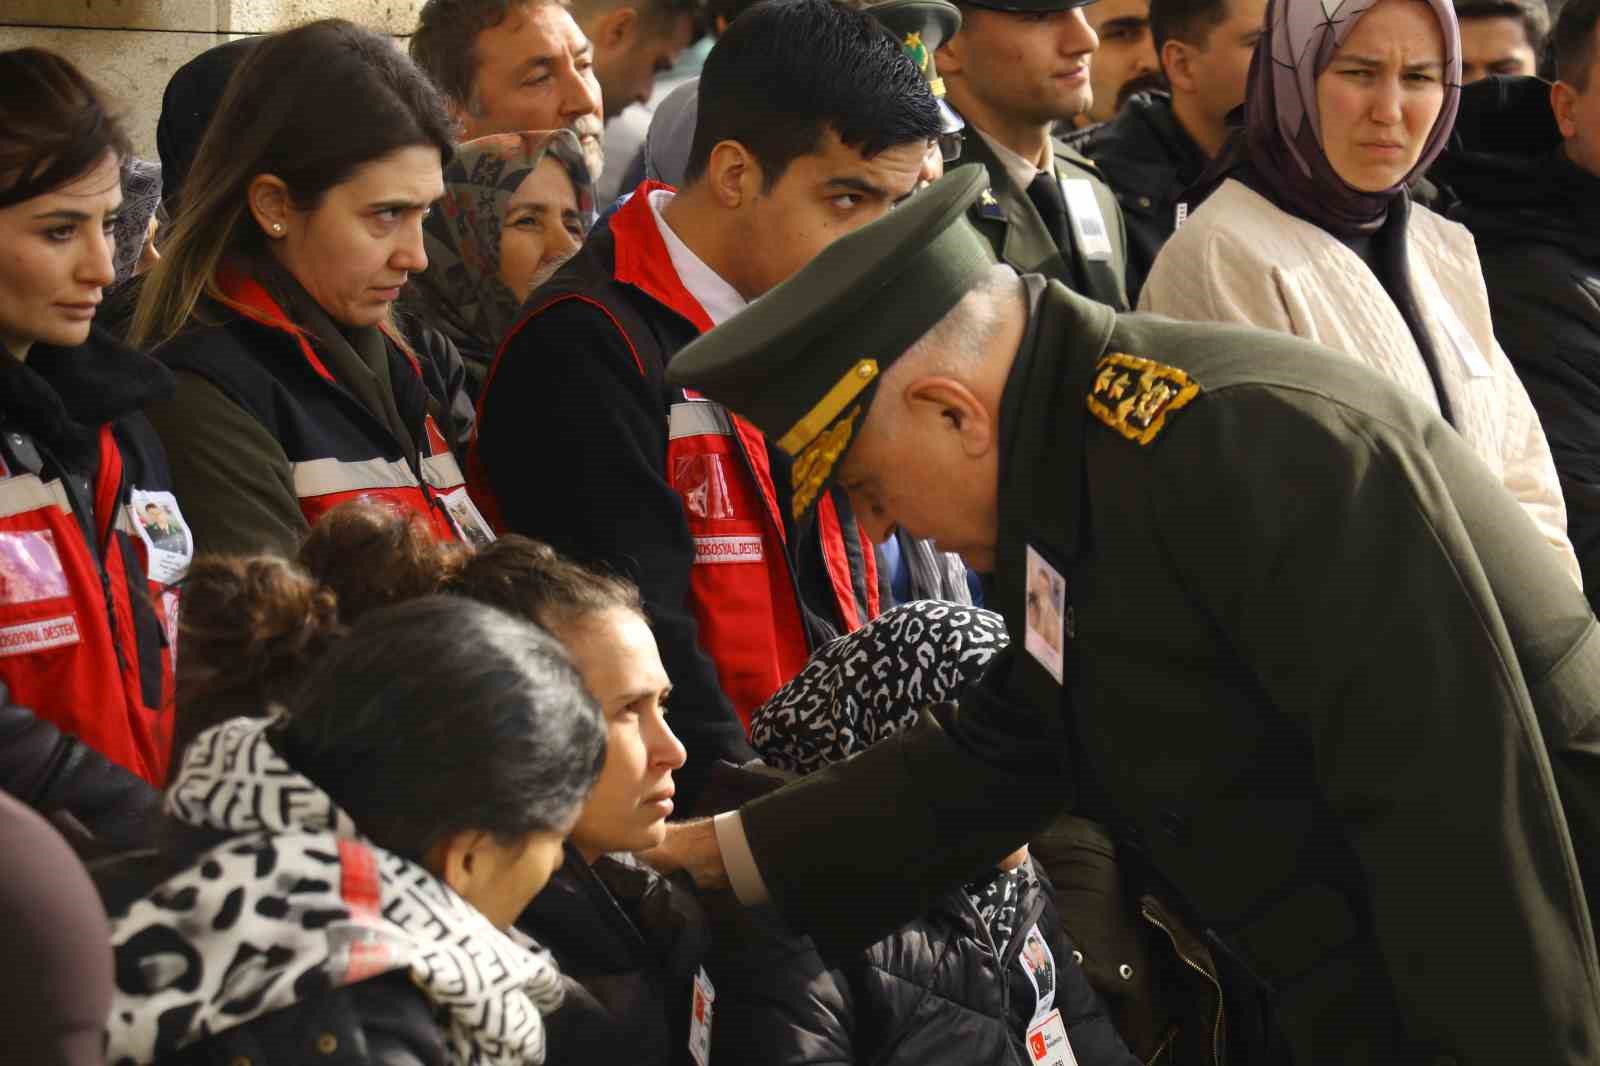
(932, 992)
(1536, 219)
(572, 446)
(629, 942)
(382, 1021)
(1148, 160)
(57, 774)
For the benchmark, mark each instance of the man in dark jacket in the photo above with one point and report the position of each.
(583, 445)
(1278, 629)
(1525, 166)
(1015, 68)
(1160, 143)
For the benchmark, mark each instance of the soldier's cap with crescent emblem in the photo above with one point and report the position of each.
(922, 26)
(804, 361)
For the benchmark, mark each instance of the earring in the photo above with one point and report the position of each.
(277, 227)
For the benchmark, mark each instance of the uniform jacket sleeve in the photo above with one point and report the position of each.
(910, 817)
(573, 440)
(1364, 610)
(232, 477)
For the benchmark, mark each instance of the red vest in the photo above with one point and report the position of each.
(84, 636)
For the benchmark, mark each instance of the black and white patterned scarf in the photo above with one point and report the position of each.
(868, 685)
(298, 903)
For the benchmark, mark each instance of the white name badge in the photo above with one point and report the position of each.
(166, 535)
(1047, 1042)
(1088, 224)
(703, 999)
(1471, 357)
(1044, 610)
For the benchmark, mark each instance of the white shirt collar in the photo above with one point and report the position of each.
(1019, 170)
(719, 300)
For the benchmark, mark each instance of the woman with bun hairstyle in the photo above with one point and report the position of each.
(273, 300)
(85, 591)
(630, 940)
(344, 872)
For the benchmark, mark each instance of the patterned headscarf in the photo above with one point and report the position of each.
(870, 684)
(141, 195)
(1281, 121)
(461, 291)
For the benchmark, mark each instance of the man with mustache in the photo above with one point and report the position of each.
(505, 66)
(1125, 62)
(583, 445)
(1015, 68)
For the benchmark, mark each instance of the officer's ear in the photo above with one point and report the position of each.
(957, 409)
(1564, 103)
(951, 55)
(732, 174)
(1175, 65)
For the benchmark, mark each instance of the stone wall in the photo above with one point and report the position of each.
(131, 47)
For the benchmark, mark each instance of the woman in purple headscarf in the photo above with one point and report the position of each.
(1314, 233)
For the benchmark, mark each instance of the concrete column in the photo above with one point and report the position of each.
(131, 47)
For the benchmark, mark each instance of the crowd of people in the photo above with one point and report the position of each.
(1006, 532)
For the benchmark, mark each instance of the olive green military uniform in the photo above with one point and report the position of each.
(1317, 670)
(1019, 237)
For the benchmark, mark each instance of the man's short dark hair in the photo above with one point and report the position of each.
(1189, 21)
(1572, 42)
(445, 44)
(788, 70)
(1533, 14)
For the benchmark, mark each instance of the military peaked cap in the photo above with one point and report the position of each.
(921, 27)
(804, 361)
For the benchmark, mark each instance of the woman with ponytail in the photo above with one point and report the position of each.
(347, 860)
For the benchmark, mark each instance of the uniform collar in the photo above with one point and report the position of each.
(1042, 418)
(1019, 170)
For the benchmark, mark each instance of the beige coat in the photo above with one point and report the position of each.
(1241, 259)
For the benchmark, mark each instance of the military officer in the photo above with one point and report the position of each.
(921, 27)
(1013, 70)
(1272, 622)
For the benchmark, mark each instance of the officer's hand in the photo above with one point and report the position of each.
(691, 846)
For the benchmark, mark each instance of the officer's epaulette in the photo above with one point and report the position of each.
(986, 206)
(1134, 396)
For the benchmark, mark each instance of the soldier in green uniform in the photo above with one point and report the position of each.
(1015, 68)
(1272, 622)
(921, 27)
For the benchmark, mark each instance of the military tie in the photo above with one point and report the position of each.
(1046, 196)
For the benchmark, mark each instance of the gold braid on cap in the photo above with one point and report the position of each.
(813, 465)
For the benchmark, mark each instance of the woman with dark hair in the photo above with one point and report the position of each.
(85, 595)
(1315, 233)
(301, 225)
(630, 940)
(345, 873)
(516, 206)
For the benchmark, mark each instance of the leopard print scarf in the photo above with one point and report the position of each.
(298, 903)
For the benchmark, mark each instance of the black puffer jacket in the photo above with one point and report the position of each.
(1149, 161)
(629, 942)
(1536, 219)
(382, 1021)
(931, 993)
(56, 774)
